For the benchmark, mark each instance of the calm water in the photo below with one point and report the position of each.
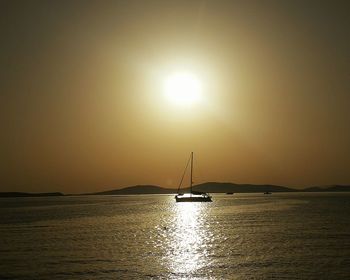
(244, 236)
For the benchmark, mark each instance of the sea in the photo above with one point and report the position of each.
(239, 236)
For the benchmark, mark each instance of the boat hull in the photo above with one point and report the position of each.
(193, 199)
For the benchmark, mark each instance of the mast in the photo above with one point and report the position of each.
(191, 170)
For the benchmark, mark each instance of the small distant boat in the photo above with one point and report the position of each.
(267, 193)
(192, 196)
(230, 193)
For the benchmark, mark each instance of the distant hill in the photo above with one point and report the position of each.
(139, 189)
(211, 187)
(24, 194)
(215, 187)
(333, 188)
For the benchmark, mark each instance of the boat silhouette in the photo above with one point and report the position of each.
(192, 196)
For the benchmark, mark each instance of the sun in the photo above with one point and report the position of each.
(183, 89)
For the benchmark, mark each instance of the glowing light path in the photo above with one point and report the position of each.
(189, 240)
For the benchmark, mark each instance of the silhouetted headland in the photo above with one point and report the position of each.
(209, 187)
(24, 194)
(216, 187)
(139, 189)
(333, 188)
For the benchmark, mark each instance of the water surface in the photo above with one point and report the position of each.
(241, 236)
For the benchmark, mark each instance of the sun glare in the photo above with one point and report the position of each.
(183, 89)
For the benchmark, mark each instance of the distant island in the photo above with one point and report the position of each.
(217, 187)
(139, 189)
(25, 194)
(209, 187)
(334, 188)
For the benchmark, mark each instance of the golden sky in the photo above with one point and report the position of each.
(83, 107)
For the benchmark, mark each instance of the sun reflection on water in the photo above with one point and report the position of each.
(188, 238)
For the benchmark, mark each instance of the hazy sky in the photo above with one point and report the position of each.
(82, 103)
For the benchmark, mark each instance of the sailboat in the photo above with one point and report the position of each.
(192, 196)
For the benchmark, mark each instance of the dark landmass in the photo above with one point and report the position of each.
(335, 188)
(209, 187)
(215, 187)
(24, 194)
(140, 189)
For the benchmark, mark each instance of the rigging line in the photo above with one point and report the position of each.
(183, 175)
